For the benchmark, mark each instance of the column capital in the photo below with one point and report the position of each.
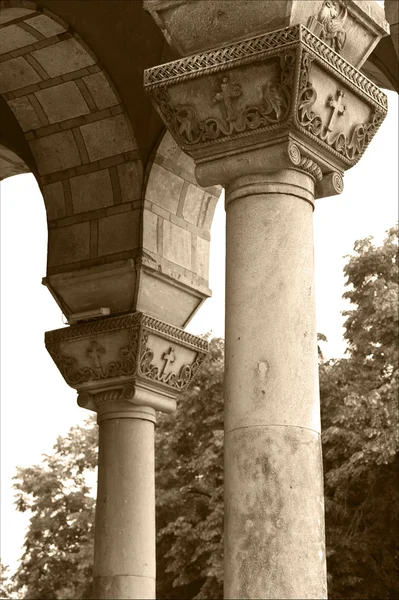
(284, 99)
(126, 364)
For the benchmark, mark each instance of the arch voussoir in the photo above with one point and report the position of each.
(85, 153)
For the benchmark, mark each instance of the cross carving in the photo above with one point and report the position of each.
(338, 107)
(169, 358)
(95, 351)
(227, 92)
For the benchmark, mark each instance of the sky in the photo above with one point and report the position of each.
(36, 403)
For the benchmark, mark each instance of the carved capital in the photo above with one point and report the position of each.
(287, 94)
(132, 359)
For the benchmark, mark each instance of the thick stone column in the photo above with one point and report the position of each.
(274, 510)
(125, 368)
(276, 119)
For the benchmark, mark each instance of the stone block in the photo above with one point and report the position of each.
(13, 38)
(56, 152)
(54, 201)
(9, 14)
(130, 179)
(210, 211)
(192, 203)
(202, 257)
(46, 26)
(62, 102)
(186, 162)
(25, 113)
(91, 191)
(101, 91)
(16, 73)
(150, 231)
(68, 244)
(107, 137)
(119, 233)
(168, 147)
(64, 57)
(164, 188)
(176, 244)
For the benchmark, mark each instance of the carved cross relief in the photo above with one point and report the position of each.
(95, 351)
(338, 107)
(169, 358)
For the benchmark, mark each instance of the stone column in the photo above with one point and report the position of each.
(273, 469)
(124, 558)
(276, 119)
(125, 368)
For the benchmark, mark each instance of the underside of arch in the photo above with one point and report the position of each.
(83, 150)
(112, 242)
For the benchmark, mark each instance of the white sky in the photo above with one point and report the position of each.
(37, 405)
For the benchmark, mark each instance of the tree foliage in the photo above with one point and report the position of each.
(360, 444)
(359, 397)
(58, 547)
(189, 484)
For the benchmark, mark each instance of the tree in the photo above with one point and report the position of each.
(58, 547)
(189, 484)
(360, 431)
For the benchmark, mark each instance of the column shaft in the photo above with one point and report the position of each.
(274, 511)
(124, 557)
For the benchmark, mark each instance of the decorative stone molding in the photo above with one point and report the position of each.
(288, 84)
(133, 358)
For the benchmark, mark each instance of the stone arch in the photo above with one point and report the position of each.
(177, 218)
(85, 153)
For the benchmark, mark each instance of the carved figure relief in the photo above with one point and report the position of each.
(227, 92)
(329, 24)
(350, 147)
(274, 108)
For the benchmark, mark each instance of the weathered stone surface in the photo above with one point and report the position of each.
(164, 188)
(15, 12)
(63, 57)
(125, 510)
(100, 89)
(46, 26)
(16, 73)
(176, 244)
(118, 233)
(202, 257)
(62, 102)
(69, 244)
(150, 231)
(91, 191)
(107, 137)
(274, 507)
(56, 152)
(130, 180)
(192, 203)
(54, 200)
(25, 113)
(274, 543)
(14, 37)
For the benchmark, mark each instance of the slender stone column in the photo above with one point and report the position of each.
(125, 368)
(124, 558)
(274, 510)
